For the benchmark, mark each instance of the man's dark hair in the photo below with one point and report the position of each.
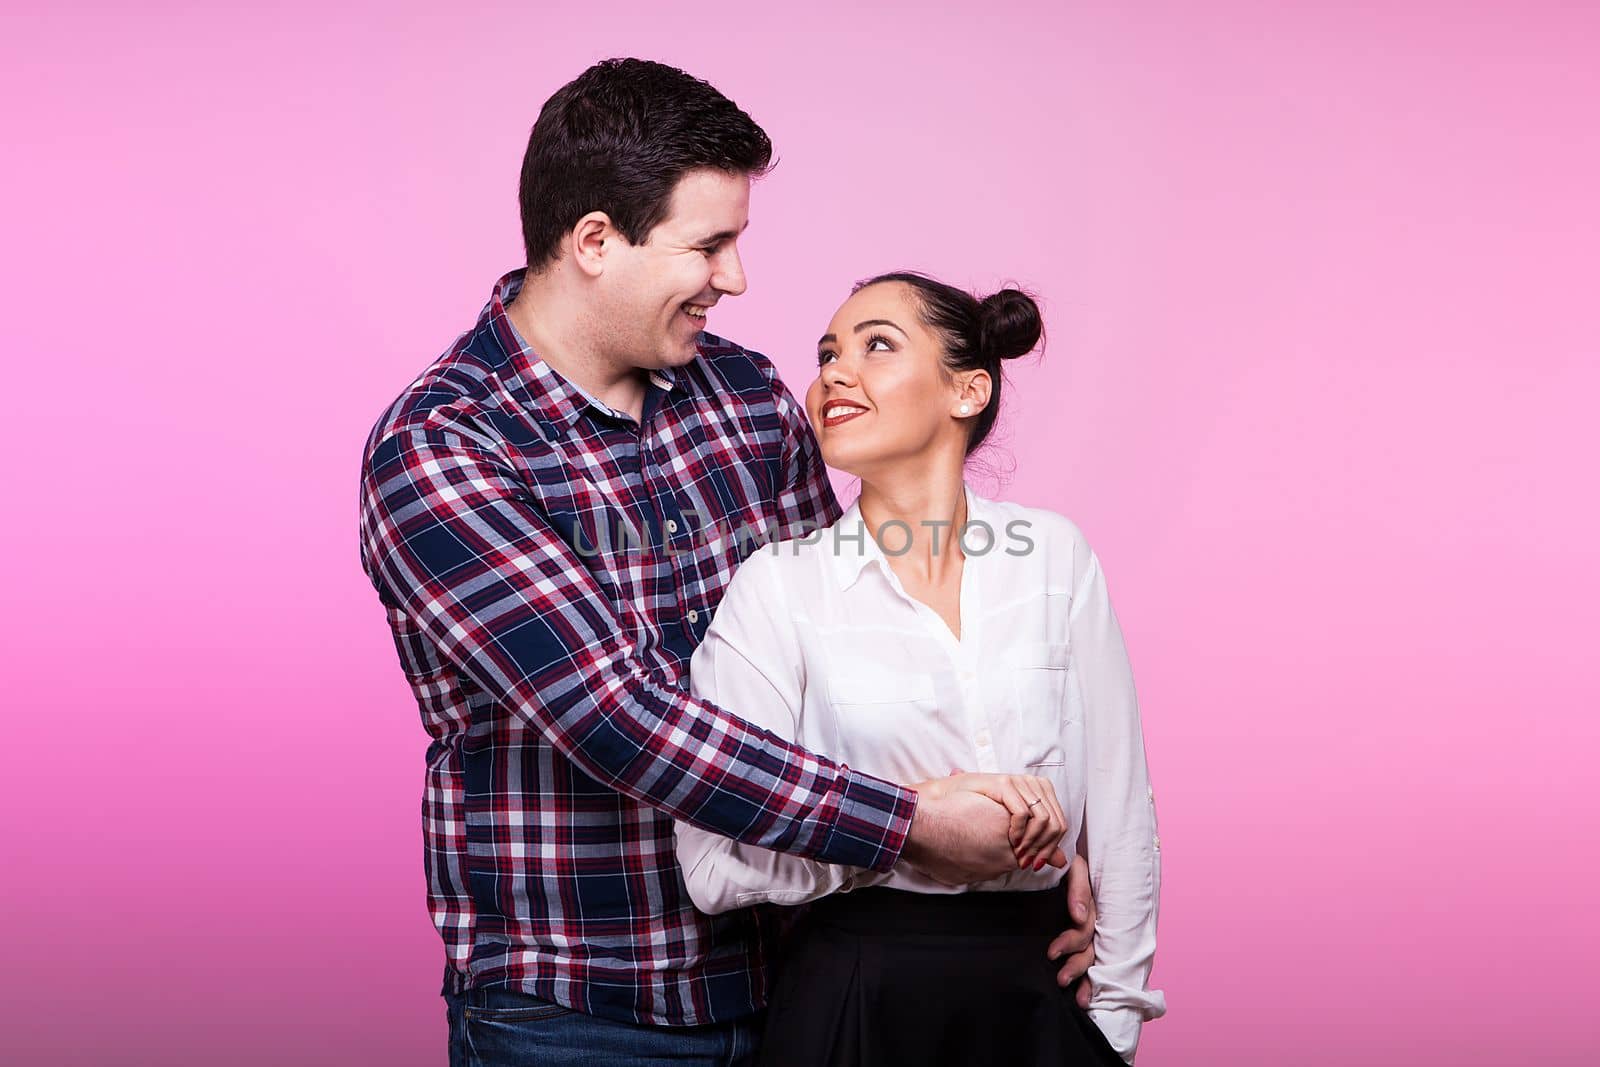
(616, 139)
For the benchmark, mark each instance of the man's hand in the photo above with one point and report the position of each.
(1074, 948)
(973, 827)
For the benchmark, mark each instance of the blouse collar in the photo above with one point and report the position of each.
(853, 548)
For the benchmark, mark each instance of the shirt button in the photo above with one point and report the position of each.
(694, 616)
(1150, 795)
(1158, 842)
(983, 738)
(672, 526)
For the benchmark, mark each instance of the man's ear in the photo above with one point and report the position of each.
(592, 238)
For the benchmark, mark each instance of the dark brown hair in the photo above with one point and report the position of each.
(977, 334)
(616, 139)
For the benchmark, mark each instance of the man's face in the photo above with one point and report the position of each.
(658, 292)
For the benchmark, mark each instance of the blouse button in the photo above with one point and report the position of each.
(672, 528)
(694, 616)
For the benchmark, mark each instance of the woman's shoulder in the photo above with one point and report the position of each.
(770, 569)
(799, 559)
(1023, 524)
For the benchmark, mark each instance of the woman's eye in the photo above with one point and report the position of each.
(875, 339)
(823, 357)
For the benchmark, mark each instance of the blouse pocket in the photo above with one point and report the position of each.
(1039, 691)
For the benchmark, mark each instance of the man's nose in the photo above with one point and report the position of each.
(729, 277)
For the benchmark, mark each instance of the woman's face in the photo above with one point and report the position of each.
(882, 394)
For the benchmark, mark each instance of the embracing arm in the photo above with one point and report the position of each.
(1120, 817)
(450, 538)
(751, 660)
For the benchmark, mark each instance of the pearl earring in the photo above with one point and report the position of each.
(966, 409)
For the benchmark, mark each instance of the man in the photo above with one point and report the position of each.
(550, 514)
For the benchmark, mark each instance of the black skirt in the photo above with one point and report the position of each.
(883, 977)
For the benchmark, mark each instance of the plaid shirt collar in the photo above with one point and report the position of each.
(556, 402)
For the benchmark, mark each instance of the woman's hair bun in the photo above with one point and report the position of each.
(1009, 324)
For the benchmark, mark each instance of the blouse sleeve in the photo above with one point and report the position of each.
(750, 662)
(1123, 848)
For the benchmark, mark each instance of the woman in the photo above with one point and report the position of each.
(930, 629)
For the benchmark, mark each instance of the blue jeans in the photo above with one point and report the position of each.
(506, 1028)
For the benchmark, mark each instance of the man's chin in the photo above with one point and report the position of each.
(680, 357)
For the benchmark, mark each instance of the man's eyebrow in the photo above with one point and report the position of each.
(828, 338)
(724, 235)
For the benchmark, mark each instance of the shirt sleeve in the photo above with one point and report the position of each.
(751, 659)
(1119, 819)
(450, 538)
(806, 501)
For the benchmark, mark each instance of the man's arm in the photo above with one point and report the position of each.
(751, 659)
(449, 539)
(805, 499)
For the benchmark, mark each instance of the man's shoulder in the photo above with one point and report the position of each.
(738, 367)
(449, 396)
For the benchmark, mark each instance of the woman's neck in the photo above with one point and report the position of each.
(924, 517)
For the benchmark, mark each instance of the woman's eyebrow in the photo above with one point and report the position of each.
(828, 338)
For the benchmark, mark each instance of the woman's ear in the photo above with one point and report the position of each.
(972, 394)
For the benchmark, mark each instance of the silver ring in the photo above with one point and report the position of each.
(1031, 803)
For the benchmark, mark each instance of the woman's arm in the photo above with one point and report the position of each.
(1120, 817)
(750, 662)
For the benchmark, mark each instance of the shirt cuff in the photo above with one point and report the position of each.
(872, 824)
(1121, 1027)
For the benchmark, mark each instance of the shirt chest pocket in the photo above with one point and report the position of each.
(1038, 673)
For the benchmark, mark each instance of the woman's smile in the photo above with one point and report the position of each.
(839, 412)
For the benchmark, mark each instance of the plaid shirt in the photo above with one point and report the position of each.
(549, 655)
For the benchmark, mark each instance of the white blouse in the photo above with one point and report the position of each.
(819, 643)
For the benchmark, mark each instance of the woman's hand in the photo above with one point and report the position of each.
(1037, 822)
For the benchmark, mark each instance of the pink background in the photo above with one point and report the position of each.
(1320, 388)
